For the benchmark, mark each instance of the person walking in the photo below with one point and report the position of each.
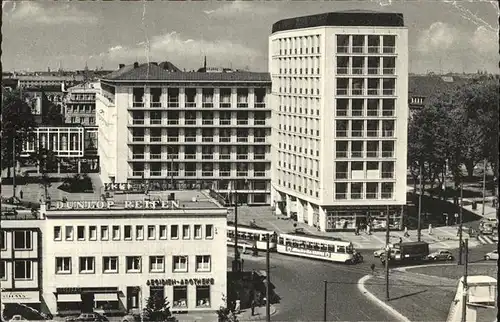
(430, 229)
(400, 240)
(406, 234)
(368, 229)
(21, 194)
(252, 306)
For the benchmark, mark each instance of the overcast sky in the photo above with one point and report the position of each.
(443, 35)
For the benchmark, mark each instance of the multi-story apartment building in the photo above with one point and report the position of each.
(52, 79)
(190, 128)
(340, 109)
(80, 104)
(20, 264)
(110, 256)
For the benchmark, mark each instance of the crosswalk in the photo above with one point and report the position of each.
(485, 240)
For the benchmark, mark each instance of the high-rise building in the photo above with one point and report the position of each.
(340, 109)
(190, 129)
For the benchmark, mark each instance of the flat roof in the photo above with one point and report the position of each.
(342, 18)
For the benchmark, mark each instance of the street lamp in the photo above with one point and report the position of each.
(419, 232)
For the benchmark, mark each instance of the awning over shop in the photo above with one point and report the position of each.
(21, 297)
(69, 298)
(105, 297)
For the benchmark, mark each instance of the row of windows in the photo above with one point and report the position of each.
(133, 264)
(150, 232)
(306, 187)
(82, 120)
(309, 44)
(23, 240)
(23, 270)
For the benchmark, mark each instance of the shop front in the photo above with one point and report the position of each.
(75, 300)
(16, 301)
(361, 217)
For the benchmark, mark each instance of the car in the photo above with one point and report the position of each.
(137, 318)
(441, 255)
(84, 317)
(17, 317)
(491, 256)
(379, 252)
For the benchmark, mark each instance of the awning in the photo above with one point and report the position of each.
(21, 297)
(69, 298)
(109, 297)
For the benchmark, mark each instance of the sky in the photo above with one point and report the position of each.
(444, 36)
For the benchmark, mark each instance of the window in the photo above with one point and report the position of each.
(197, 231)
(203, 296)
(104, 233)
(57, 233)
(174, 232)
(139, 232)
(3, 270)
(80, 233)
(92, 232)
(22, 270)
(63, 265)
(3, 240)
(116, 232)
(185, 231)
(151, 232)
(180, 263)
(163, 232)
(110, 264)
(22, 239)
(87, 264)
(156, 263)
(127, 232)
(209, 231)
(203, 263)
(133, 264)
(69, 232)
(180, 297)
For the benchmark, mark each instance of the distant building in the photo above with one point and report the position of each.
(29, 81)
(340, 116)
(80, 104)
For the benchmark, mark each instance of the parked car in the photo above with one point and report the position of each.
(17, 317)
(84, 317)
(444, 255)
(491, 256)
(137, 318)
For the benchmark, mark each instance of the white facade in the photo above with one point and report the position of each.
(63, 141)
(114, 258)
(339, 98)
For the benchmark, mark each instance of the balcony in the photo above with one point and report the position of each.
(190, 121)
(138, 173)
(190, 139)
(259, 104)
(341, 154)
(225, 121)
(387, 175)
(242, 122)
(372, 112)
(138, 156)
(190, 104)
(341, 134)
(224, 139)
(341, 175)
(342, 70)
(155, 104)
(371, 195)
(342, 49)
(259, 173)
(242, 139)
(372, 154)
(387, 133)
(189, 156)
(357, 70)
(155, 121)
(138, 121)
(242, 173)
(155, 156)
(207, 104)
(341, 196)
(242, 157)
(356, 195)
(207, 122)
(356, 133)
(138, 139)
(373, 49)
(224, 156)
(373, 91)
(173, 139)
(357, 112)
(373, 70)
(207, 173)
(259, 122)
(173, 104)
(387, 195)
(357, 91)
(259, 139)
(388, 154)
(389, 71)
(341, 112)
(388, 113)
(138, 104)
(173, 173)
(190, 173)
(173, 122)
(207, 139)
(372, 133)
(356, 154)
(259, 156)
(389, 49)
(242, 105)
(155, 139)
(224, 173)
(358, 49)
(388, 91)
(155, 173)
(207, 156)
(342, 91)
(225, 104)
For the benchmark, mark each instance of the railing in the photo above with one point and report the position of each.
(356, 133)
(173, 122)
(371, 195)
(372, 133)
(242, 139)
(387, 175)
(225, 105)
(155, 121)
(224, 156)
(389, 71)
(341, 134)
(357, 91)
(207, 139)
(387, 195)
(259, 122)
(373, 49)
(173, 139)
(259, 173)
(136, 156)
(357, 112)
(342, 70)
(357, 70)
(341, 175)
(259, 104)
(356, 195)
(207, 156)
(138, 173)
(259, 139)
(190, 104)
(173, 173)
(189, 156)
(387, 154)
(190, 173)
(173, 156)
(373, 91)
(373, 70)
(207, 104)
(190, 139)
(342, 91)
(388, 49)
(370, 112)
(137, 121)
(207, 173)
(342, 49)
(172, 104)
(341, 112)
(155, 104)
(388, 91)
(223, 173)
(225, 121)
(341, 196)
(138, 104)
(387, 133)
(242, 122)
(155, 139)
(138, 138)
(387, 112)
(358, 49)
(341, 154)
(224, 139)
(372, 154)
(242, 105)
(207, 122)
(242, 173)
(190, 121)
(155, 156)
(356, 154)
(259, 156)
(242, 156)
(154, 173)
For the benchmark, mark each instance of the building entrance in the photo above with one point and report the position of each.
(87, 302)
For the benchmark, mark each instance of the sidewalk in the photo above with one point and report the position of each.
(259, 313)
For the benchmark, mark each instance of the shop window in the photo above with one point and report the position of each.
(133, 264)
(69, 232)
(174, 232)
(139, 232)
(57, 234)
(203, 263)
(209, 231)
(22, 239)
(197, 231)
(87, 265)
(92, 232)
(80, 232)
(203, 296)
(104, 233)
(185, 231)
(110, 264)
(156, 263)
(116, 232)
(151, 232)
(22, 270)
(163, 232)
(180, 264)
(63, 265)
(3, 270)
(180, 297)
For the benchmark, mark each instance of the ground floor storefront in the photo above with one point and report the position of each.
(24, 303)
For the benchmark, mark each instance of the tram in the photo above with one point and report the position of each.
(301, 244)
(250, 236)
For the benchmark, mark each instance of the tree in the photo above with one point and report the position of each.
(18, 123)
(43, 158)
(51, 113)
(157, 309)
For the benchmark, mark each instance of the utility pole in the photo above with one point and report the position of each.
(419, 232)
(460, 227)
(325, 300)
(268, 270)
(13, 168)
(484, 186)
(464, 294)
(387, 251)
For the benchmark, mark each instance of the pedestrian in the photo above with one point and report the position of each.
(458, 231)
(252, 305)
(406, 234)
(400, 240)
(372, 266)
(237, 307)
(430, 229)
(21, 194)
(356, 230)
(368, 229)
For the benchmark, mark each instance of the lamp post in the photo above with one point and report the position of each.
(13, 169)
(234, 200)
(484, 186)
(460, 249)
(419, 232)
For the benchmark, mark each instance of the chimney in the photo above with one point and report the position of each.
(136, 64)
(120, 66)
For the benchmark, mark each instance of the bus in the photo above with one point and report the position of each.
(250, 236)
(301, 244)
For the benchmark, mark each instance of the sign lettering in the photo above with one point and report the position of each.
(185, 281)
(307, 251)
(129, 204)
